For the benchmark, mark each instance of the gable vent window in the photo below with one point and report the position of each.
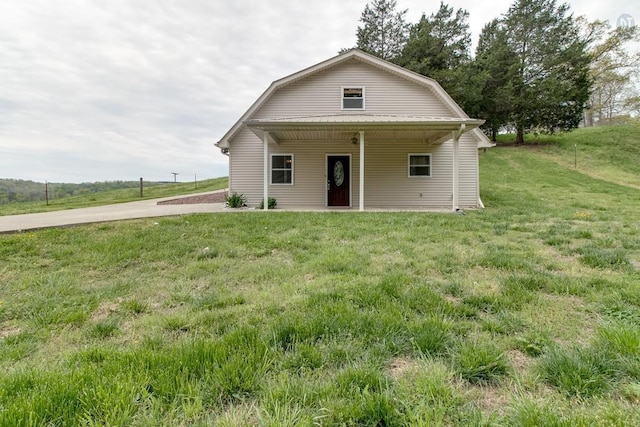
(353, 98)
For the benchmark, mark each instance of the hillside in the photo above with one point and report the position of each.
(526, 313)
(17, 190)
(611, 153)
(95, 194)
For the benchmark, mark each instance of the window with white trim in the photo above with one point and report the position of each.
(282, 169)
(420, 165)
(353, 98)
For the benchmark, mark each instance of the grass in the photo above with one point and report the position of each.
(114, 196)
(525, 313)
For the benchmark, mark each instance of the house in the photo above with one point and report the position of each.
(356, 132)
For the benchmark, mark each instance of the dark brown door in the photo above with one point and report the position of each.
(338, 180)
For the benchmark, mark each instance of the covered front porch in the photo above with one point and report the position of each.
(370, 138)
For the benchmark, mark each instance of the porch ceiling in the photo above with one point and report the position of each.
(431, 130)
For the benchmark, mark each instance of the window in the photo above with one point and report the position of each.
(419, 165)
(282, 169)
(353, 98)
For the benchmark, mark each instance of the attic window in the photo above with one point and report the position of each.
(353, 98)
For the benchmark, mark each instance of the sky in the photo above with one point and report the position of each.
(95, 90)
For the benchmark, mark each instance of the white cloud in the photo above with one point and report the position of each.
(105, 90)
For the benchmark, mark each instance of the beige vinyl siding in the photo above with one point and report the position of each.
(245, 166)
(310, 176)
(468, 172)
(385, 93)
(309, 168)
(387, 184)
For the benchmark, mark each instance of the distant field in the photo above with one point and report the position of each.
(115, 196)
(526, 313)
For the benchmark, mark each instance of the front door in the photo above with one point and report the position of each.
(338, 181)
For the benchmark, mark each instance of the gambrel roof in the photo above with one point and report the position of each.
(458, 116)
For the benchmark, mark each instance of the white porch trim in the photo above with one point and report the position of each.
(361, 190)
(265, 202)
(456, 166)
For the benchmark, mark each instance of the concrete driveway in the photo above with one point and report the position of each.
(131, 210)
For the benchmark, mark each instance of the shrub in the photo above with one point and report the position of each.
(236, 200)
(271, 204)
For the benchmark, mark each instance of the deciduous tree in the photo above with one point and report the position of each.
(613, 69)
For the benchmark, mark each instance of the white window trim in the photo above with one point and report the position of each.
(293, 165)
(364, 97)
(409, 165)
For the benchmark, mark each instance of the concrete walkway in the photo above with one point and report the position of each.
(131, 210)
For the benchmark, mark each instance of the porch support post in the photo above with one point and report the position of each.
(265, 202)
(456, 167)
(361, 192)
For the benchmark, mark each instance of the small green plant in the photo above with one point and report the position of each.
(620, 338)
(533, 343)
(480, 362)
(603, 258)
(271, 204)
(578, 372)
(103, 329)
(432, 337)
(135, 306)
(236, 200)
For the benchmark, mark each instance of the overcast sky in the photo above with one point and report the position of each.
(95, 90)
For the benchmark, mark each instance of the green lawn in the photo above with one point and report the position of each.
(526, 313)
(115, 196)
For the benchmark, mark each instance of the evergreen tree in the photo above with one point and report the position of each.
(494, 63)
(439, 42)
(438, 47)
(550, 76)
(384, 30)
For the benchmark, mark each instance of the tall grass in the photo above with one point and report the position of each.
(525, 313)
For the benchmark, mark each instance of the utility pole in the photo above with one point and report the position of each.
(175, 174)
(46, 191)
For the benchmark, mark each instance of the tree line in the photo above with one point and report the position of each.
(536, 68)
(17, 190)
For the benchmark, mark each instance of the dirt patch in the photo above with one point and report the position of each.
(9, 332)
(520, 361)
(104, 310)
(202, 198)
(400, 366)
(492, 400)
